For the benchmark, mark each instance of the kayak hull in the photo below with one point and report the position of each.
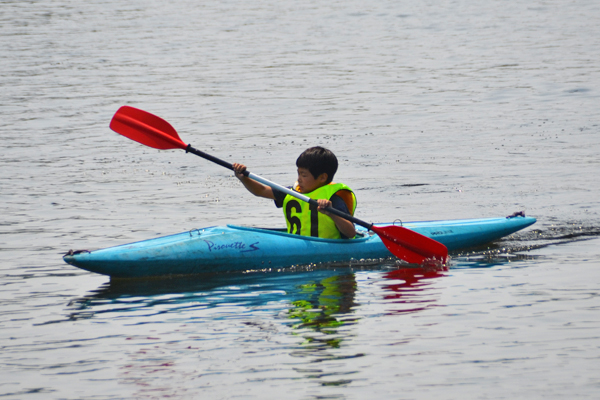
(237, 248)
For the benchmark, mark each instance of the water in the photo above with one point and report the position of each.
(436, 111)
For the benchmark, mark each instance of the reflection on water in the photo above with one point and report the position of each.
(320, 299)
(411, 289)
(198, 291)
(323, 301)
(316, 308)
(323, 317)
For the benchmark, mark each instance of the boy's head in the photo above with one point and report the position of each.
(318, 160)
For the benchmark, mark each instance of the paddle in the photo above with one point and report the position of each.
(155, 132)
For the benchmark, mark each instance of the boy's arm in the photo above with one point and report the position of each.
(345, 227)
(254, 187)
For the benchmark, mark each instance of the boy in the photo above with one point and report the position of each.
(316, 168)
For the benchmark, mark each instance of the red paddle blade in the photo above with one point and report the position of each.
(146, 128)
(409, 245)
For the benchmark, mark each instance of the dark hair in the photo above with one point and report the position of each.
(318, 160)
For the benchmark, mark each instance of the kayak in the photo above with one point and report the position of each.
(238, 248)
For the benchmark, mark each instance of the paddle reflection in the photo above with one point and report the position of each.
(412, 288)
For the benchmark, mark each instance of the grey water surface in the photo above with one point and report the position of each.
(436, 110)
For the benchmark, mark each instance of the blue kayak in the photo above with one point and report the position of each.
(238, 248)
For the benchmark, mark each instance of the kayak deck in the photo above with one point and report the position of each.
(238, 248)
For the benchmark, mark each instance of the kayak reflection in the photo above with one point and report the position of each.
(201, 292)
(320, 299)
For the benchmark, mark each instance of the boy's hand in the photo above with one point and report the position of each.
(239, 170)
(345, 227)
(254, 187)
(323, 204)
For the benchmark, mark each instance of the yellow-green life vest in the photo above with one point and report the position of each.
(304, 219)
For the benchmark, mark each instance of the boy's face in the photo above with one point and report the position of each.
(307, 182)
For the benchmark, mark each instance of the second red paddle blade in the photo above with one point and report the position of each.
(409, 245)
